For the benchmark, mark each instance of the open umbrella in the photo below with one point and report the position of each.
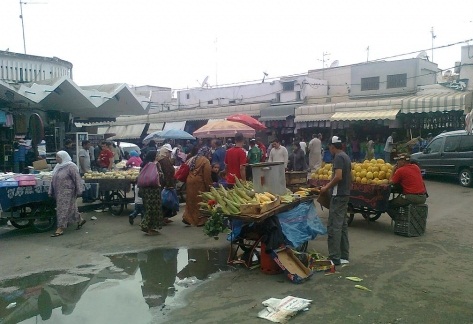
(247, 120)
(168, 134)
(224, 128)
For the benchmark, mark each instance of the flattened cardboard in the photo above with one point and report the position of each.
(292, 266)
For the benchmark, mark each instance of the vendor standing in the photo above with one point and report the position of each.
(235, 161)
(339, 187)
(278, 153)
(105, 159)
(408, 176)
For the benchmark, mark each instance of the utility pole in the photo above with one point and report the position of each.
(22, 22)
(367, 53)
(433, 37)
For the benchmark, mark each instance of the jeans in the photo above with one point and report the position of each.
(337, 228)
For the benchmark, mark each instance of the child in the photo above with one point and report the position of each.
(215, 173)
(139, 208)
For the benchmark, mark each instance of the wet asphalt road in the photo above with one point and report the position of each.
(413, 280)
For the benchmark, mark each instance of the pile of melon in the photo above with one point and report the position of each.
(375, 172)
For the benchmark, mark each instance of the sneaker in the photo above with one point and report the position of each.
(344, 261)
(336, 261)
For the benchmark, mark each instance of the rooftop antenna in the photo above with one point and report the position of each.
(433, 37)
(323, 62)
(264, 76)
(22, 22)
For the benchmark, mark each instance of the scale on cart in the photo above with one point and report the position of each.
(270, 177)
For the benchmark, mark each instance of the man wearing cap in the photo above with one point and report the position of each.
(408, 176)
(339, 186)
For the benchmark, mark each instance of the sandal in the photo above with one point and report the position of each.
(79, 225)
(57, 234)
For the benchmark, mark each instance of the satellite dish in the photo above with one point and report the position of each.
(265, 74)
(205, 82)
(423, 55)
(335, 64)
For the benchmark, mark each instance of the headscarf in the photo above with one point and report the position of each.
(203, 151)
(134, 153)
(65, 161)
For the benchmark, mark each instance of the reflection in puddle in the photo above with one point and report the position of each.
(139, 288)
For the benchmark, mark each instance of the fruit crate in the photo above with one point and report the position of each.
(296, 177)
(411, 220)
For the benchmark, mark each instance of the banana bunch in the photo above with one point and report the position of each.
(304, 192)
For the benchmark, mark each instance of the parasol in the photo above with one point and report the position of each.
(247, 120)
(168, 134)
(224, 128)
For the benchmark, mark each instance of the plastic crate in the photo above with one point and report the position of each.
(411, 220)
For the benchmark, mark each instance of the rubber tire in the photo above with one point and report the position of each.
(115, 204)
(374, 217)
(46, 220)
(21, 224)
(465, 178)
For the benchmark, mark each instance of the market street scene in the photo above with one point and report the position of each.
(151, 176)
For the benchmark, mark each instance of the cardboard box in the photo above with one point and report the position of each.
(291, 265)
(40, 165)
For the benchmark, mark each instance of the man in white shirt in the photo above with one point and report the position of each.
(315, 153)
(303, 145)
(84, 157)
(278, 153)
(388, 147)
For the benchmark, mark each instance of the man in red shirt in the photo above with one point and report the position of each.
(235, 161)
(409, 178)
(106, 155)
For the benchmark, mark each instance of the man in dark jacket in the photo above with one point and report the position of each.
(218, 155)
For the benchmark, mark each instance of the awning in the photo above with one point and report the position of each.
(175, 125)
(101, 130)
(437, 102)
(154, 127)
(215, 120)
(126, 132)
(277, 112)
(378, 114)
(309, 113)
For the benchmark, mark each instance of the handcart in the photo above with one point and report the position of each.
(371, 201)
(113, 194)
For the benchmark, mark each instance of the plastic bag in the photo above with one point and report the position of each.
(169, 199)
(301, 224)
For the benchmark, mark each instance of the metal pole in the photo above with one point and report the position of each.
(433, 37)
(22, 25)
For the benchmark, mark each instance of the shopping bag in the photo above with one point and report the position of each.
(324, 199)
(169, 199)
(148, 176)
(182, 173)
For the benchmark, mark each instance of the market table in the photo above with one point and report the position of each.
(113, 193)
(251, 241)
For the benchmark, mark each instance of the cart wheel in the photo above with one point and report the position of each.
(350, 218)
(19, 222)
(373, 217)
(45, 218)
(115, 203)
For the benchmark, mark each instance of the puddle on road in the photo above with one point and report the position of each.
(139, 288)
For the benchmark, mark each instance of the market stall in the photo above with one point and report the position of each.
(113, 188)
(24, 201)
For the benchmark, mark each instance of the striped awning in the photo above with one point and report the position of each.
(127, 131)
(442, 102)
(389, 114)
(310, 113)
(155, 127)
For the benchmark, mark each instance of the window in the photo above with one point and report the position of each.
(288, 86)
(188, 96)
(466, 144)
(370, 83)
(210, 102)
(298, 96)
(434, 146)
(397, 81)
(278, 97)
(232, 101)
(451, 143)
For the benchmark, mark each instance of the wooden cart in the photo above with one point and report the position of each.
(113, 194)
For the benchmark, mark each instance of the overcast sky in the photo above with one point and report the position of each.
(178, 43)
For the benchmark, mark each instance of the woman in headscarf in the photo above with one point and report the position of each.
(66, 186)
(134, 160)
(164, 160)
(198, 180)
(153, 220)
